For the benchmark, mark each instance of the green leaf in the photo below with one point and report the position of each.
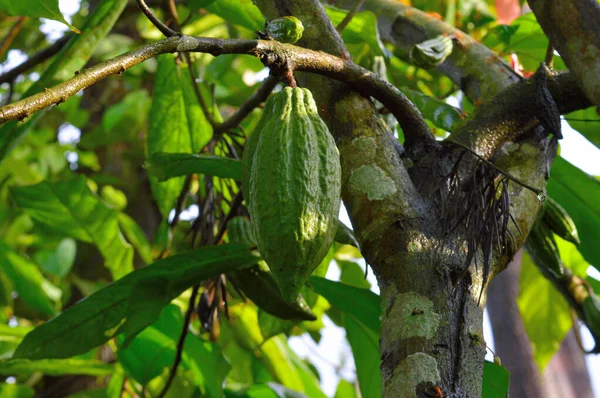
(587, 122)
(171, 128)
(345, 389)
(579, 194)
(365, 348)
(363, 304)
(496, 381)
(106, 313)
(136, 236)
(59, 261)
(352, 274)
(28, 281)
(16, 391)
(74, 55)
(70, 208)
(153, 351)
(239, 12)
(440, 113)
(55, 367)
(545, 313)
(571, 257)
(34, 9)
(268, 390)
(362, 29)
(168, 165)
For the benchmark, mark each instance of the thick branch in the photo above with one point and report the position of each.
(511, 113)
(572, 26)
(279, 57)
(478, 71)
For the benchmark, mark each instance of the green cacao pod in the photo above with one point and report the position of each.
(285, 29)
(559, 221)
(259, 285)
(294, 188)
(431, 53)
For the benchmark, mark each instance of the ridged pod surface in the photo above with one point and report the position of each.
(258, 283)
(294, 188)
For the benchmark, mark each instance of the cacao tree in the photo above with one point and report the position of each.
(171, 174)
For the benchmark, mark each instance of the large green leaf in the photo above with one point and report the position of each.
(55, 367)
(365, 348)
(136, 236)
(28, 281)
(496, 381)
(34, 9)
(579, 194)
(362, 29)
(70, 59)
(174, 125)
(153, 351)
(363, 304)
(239, 12)
(545, 313)
(345, 389)
(116, 308)
(168, 165)
(70, 208)
(587, 122)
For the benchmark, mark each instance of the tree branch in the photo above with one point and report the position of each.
(511, 113)
(12, 33)
(572, 27)
(181, 342)
(277, 56)
(165, 30)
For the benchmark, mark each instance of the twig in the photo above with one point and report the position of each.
(549, 58)
(12, 33)
(342, 25)
(34, 60)
(255, 100)
(181, 342)
(155, 21)
(237, 201)
(172, 8)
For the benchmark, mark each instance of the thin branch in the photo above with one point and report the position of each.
(181, 342)
(12, 33)
(35, 59)
(281, 58)
(549, 58)
(155, 21)
(342, 25)
(254, 101)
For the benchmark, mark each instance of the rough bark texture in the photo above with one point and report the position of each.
(573, 29)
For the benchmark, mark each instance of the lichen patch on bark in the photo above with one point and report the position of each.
(415, 369)
(367, 147)
(414, 315)
(372, 181)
